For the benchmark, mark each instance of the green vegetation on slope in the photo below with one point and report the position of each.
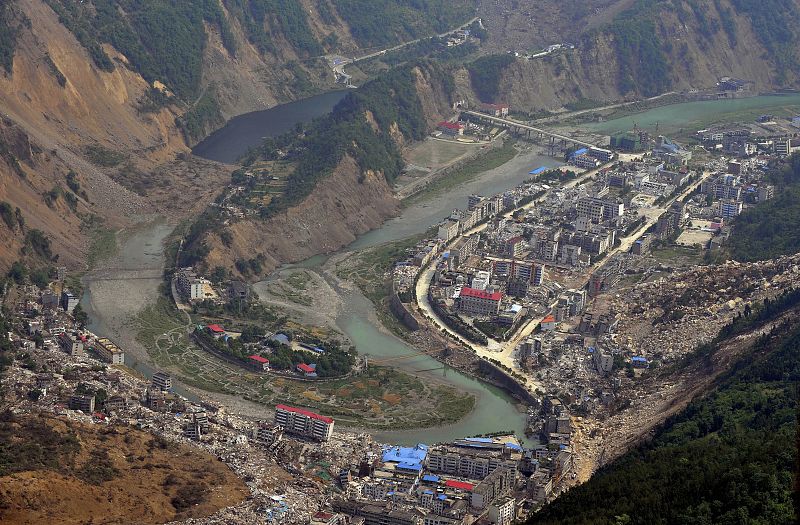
(485, 75)
(8, 36)
(384, 22)
(770, 229)
(288, 16)
(202, 116)
(774, 23)
(163, 40)
(726, 459)
(391, 100)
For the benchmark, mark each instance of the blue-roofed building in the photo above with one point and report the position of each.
(430, 478)
(537, 171)
(479, 440)
(639, 362)
(416, 454)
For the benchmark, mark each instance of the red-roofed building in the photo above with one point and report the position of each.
(462, 485)
(259, 363)
(450, 128)
(478, 302)
(549, 323)
(303, 422)
(496, 110)
(306, 369)
(216, 330)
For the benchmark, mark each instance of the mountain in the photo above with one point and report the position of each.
(627, 50)
(728, 457)
(106, 97)
(102, 98)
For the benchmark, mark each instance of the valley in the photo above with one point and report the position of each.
(521, 238)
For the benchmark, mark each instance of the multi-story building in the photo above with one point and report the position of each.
(479, 302)
(84, 403)
(495, 110)
(162, 381)
(601, 154)
(502, 511)
(449, 229)
(584, 161)
(499, 483)
(377, 513)
(71, 344)
(465, 462)
(304, 422)
(69, 301)
(599, 210)
(728, 209)
(266, 434)
(192, 287)
(110, 352)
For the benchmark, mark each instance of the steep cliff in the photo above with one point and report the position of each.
(115, 91)
(650, 48)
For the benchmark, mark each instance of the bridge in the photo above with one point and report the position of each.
(519, 127)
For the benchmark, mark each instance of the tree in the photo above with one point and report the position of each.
(80, 316)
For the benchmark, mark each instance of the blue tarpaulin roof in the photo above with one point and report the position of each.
(513, 446)
(431, 478)
(637, 358)
(442, 497)
(405, 454)
(537, 171)
(410, 466)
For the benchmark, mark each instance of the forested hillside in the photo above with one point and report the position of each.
(770, 229)
(726, 459)
(648, 47)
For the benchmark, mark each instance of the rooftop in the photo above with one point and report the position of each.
(480, 294)
(304, 412)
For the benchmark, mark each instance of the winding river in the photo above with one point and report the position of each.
(115, 294)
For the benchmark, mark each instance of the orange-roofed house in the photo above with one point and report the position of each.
(549, 323)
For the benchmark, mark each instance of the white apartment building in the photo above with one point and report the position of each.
(304, 422)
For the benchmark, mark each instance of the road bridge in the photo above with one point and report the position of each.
(519, 127)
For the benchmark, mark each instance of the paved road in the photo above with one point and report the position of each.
(338, 68)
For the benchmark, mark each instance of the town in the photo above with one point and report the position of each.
(545, 283)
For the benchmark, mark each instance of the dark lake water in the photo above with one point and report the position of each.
(229, 143)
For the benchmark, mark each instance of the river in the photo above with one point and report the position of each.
(694, 115)
(495, 410)
(117, 293)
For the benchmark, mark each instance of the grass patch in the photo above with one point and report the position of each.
(104, 157)
(490, 160)
(678, 255)
(103, 246)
